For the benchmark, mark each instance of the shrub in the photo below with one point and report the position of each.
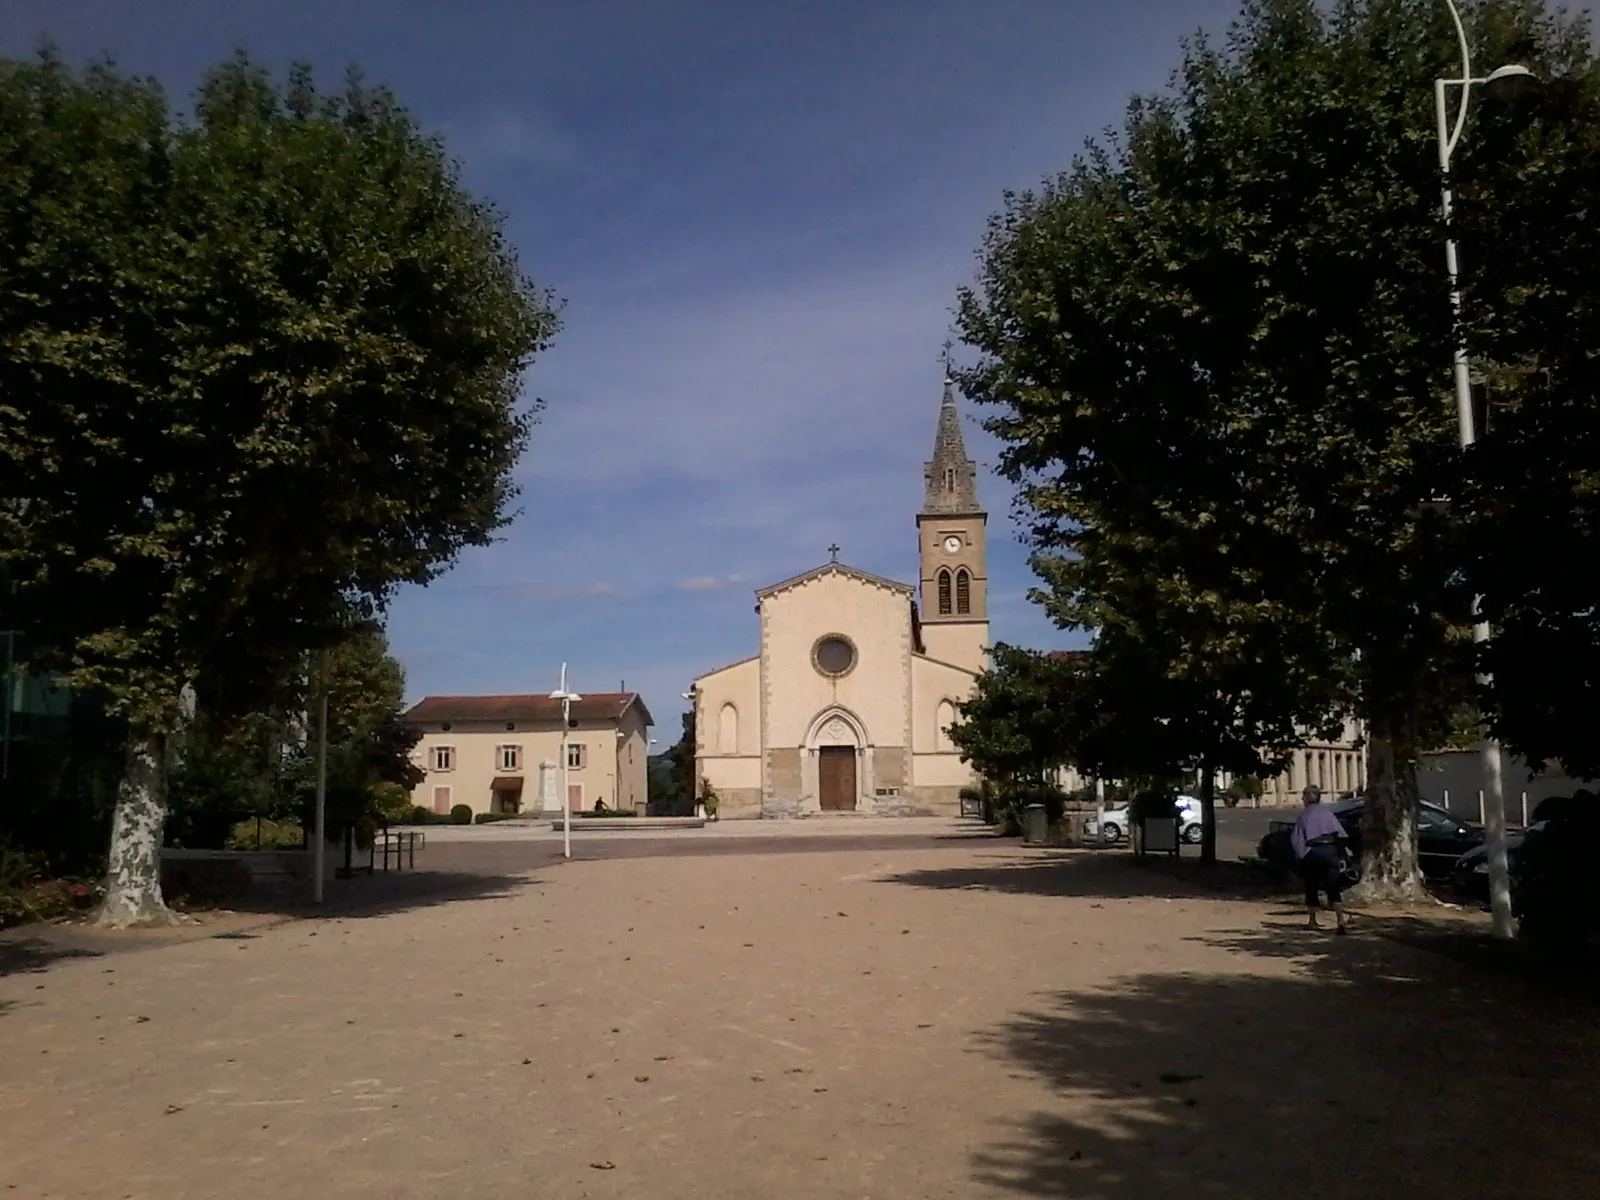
(47, 899)
(1016, 799)
(484, 818)
(266, 835)
(461, 814)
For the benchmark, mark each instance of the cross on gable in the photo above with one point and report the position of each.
(834, 550)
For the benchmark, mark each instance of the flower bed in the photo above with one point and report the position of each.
(48, 900)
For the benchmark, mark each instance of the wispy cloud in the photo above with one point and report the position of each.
(709, 583)
(499, 138)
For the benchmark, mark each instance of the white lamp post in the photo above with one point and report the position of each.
(1494, 816)
(566, 699)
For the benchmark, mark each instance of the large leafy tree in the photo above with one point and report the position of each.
(1017, 725)
(1221, 346)
(1532, 256)
(258, 369)
(1179, 683)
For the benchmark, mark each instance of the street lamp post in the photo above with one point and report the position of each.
(1494, 816)
(566, 699)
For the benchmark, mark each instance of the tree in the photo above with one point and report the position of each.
(1532, 509)
(284, 343)
(232, 767)
(1181, 690)
(680, 759)
(1014, 728)
(1220, 348)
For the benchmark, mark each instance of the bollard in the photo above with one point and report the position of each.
(1035, 824)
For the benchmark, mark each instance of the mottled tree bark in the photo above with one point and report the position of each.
(133, 878)
(1389, 869)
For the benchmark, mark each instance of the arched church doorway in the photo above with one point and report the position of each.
(835, 739)
(836, 778)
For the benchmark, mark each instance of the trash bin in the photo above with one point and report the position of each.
(1035, 824)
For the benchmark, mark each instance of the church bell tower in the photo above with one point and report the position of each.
(951, 536)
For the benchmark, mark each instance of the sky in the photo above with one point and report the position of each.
(757, 215)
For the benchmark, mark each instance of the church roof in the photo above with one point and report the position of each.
(950, 478)
(836, 568)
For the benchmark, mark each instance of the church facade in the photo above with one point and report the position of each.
(848, 703)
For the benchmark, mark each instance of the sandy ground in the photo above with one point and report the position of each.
(874, 1018)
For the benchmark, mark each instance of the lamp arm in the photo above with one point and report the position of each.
(1466, 81)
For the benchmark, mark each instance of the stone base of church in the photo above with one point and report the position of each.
(735, 803)
(747, 803)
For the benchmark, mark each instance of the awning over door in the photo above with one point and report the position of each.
(506, 783)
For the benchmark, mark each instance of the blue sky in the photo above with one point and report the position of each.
(758, 215)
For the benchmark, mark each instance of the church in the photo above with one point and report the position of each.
(848, 703)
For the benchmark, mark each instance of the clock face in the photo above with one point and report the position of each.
(952, 544)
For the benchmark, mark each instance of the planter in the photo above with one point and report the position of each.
(1158, 835)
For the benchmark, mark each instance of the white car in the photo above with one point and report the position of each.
(1114, 821)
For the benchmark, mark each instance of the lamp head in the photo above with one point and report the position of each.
(1513, 79)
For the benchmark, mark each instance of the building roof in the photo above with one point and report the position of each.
(837, 568)
(595, 706)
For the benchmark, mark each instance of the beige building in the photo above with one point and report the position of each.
(847, 705)
(503, 753)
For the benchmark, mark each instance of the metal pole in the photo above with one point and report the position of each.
(1493, 805)
(319, 845)
(566, 786)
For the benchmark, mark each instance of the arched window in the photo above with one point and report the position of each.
(728, 729)
(949, 479)
(944, 593)
(945, 716)
(963, 591)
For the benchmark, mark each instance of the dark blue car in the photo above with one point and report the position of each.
(1442, 838)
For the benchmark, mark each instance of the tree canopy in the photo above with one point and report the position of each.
(1219, 344)
(259, 369)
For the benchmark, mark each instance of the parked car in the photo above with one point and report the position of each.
(1114, 822)
(1442, 838)
(1470, 877)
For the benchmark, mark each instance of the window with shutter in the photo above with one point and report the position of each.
(441, 799)
(963, 591)
(944, 593)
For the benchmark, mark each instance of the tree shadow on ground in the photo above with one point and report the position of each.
(1350, 1067)
(375, 895)
(1101, 875)
(20, 954)
(273, 902)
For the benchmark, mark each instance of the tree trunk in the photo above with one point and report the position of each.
(1208, 813)
(133, 880)
(1389, 869)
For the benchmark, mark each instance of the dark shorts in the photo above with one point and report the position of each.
(1320, 871)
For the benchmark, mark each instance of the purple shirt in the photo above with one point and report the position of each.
(1316, 821)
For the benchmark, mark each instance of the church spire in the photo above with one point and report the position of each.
(950, 478)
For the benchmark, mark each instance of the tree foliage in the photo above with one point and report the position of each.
(285, 347)
(1016, 727)
(1219, 344)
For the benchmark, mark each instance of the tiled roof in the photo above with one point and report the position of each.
(595, 706)
(1068, 656)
